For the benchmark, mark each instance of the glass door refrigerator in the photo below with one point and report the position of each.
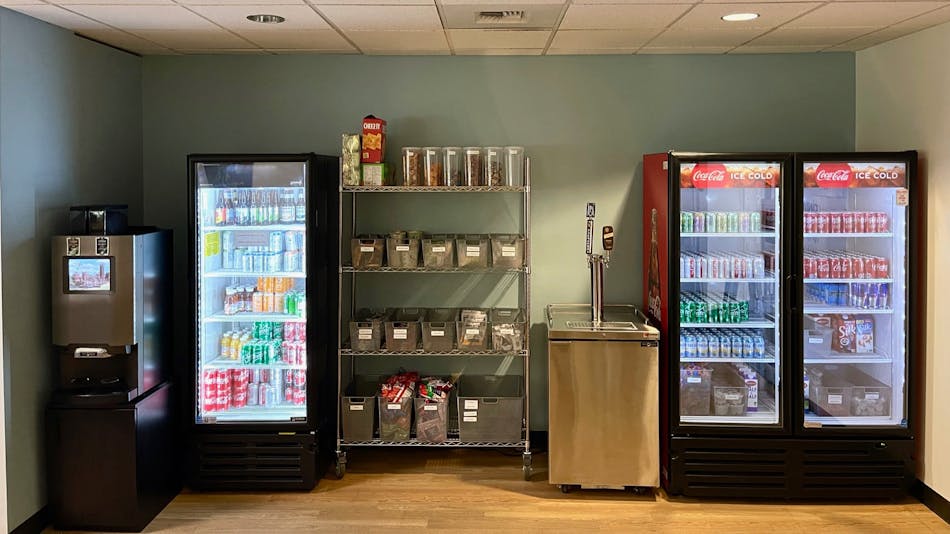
(259, 305)
(725, 251)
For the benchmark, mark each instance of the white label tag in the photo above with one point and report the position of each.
(356, 407)
(394, 406)
(437, 333)
(366, 249)
(902, 197)
(834, 399)
(872, 396)
(365, 337)
(473, 251)
(732, 397)
(693, 380)
(438, 249)
(506, 331)
(815, 340)
(471, 404)
(470, 414)
(472, 331)
(402, 248)
(469, 419)
(430, 408)
(366, 333)
(508, 252)
(400, 333)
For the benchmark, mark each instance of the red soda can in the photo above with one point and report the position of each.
(714, 267)
(265, 394)
(882, 267)
(265, 375)
(302, 353)
(847, 222)
(301, 331)
(860, 222)
(824, 267)
(857, 267)
(289, 394)
(823, 222)
(300, 396)
(690, 267)
(290, 332)
(254, 377)
(835, 265)
(239, 399)
(209, 390)
(223, 383)
(883, 224)
(811, 222)
(846, 270)
(300, 378)
(835, 221)
(871, 224)
(809, 269)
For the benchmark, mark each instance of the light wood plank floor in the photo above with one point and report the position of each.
(402, 491)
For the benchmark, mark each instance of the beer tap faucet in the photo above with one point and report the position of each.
(597, 264)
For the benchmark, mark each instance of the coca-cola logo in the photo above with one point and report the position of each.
(833, 175)
(710, 176)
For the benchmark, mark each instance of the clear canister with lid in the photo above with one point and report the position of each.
(494, 166)
(453, 165)
(412, 162)
(434, 166)
(514, 156)
(473, 166)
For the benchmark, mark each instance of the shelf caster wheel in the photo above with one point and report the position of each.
(340, 467)
(526, 466)
(567, 488)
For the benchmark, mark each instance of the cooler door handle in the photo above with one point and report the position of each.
(791, 293)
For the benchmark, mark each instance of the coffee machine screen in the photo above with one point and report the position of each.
(88, 275)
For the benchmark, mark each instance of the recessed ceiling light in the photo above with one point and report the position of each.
(740, 17)
(269, 19)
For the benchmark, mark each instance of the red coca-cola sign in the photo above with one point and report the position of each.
(857, 175)
(706, 175)
(833, 175)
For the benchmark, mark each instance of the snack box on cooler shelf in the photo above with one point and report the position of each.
(367, 251)
(359, 409)
(395, 419)
(490, 408)
(695, 391)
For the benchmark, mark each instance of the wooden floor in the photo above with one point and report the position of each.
(401, 491)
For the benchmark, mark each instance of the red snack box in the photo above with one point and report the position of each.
(374, 140)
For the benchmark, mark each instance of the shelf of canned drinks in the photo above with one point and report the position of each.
(765, 280)
(255, 228)
(454, 352)
(233, 274)
(844, 359)
(225, 363)
(848, 280)
(768, 359)
(824, 309)
(744, 324)
(249, 414)
(854, 234)
(728, 234)
(724, 222)
(433, 189)
(249, 317)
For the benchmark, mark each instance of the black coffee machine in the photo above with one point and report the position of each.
(111, 423)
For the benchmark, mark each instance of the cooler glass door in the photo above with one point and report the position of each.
(854, 269)
(251, 292)
(729, 300)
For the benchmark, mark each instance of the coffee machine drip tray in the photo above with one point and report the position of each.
(96, 395)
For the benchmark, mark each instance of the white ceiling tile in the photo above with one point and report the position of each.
(182, 39)
(145, 17)
(674, 38)
(590, 51)
(500, 52)
(240, 2)
(871, 39)
(122, 40)
(620, 17)
(648, 50)
(488, 5)
(301, 39)
(863, 14)
(600, 39)
(474, 39)
(376, 2)
(388, 18)
(399, 40)
(235, 17)
(770, 15)
(310, 51)
(20, 2)
(218, 51)
(927, 20)
(776, 49)
(810, 36)
(58, 16)
(112, 2)
(406, 52)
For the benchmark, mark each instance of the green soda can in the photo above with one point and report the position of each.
(686, 221)
(743, 310)
(713, 311)
(732, 222)
(755, 221)
(247, 354)
(722, 221)
(258, 348)
(256, 330)
(290, 303)
(711, 226)
(700, 312)
(735, 312)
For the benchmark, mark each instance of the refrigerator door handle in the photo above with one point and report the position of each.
(791, 293)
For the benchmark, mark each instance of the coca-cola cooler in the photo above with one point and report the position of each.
(781, 284)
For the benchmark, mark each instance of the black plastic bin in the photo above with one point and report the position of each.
(490, 408)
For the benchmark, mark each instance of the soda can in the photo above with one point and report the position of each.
(682, 266)
(758, 267)
(871, 224)
(290, 241)
(259, 353)
(254, 376)
(883, 224)
(289, 331)
(735, 342)
(857, 267)
(743, 310)
(822, 222)
(882, 293)
(836, 267)
(700, 312)
(288, 394)
(227, 249)
(276, 242)
(291, 261)
(860, 222)
(847, 222)
(841, 295)
(300, 396)
(824, 267)
(690, 267)
(258, 259)
(239, 399)
(301, 329)
(725, 346)
(725, 266)
(690, 346)
(846, 270)
(714, 269)
(810, 222)
(835, 222)
(758, 346)
(722, 222)
(748, 267)
(871, 296)
(277, 383)
(209, 390)
(881, 267)
(247, 261)
(300, 378)
(748, 346)
(732, 221)
(265, 375)
(699, 222)
(711, 226)
(755, 221)
(686, 221)
(290, 303)
(682, 341)
(265, 395)
(275, 262)
(712, 311)
(703, 264)
(713, 344)
(702, 346)
(745, 222)
(253, 394)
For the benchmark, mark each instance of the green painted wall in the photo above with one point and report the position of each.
(70, 133)
(586, 121)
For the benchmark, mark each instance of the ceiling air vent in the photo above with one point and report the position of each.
(514, 16)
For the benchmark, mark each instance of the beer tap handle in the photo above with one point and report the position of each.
(608, 242)
(591, 209)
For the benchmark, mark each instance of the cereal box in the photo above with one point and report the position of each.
(374, 140)
(864, 334)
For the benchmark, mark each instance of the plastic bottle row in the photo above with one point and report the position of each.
(271, 295)
(259, 207)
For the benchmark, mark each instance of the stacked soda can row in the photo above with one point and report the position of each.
(846, 222)
(266, 343)
(224, 389)
(866, 295)
(843, 264)
(270, 295)
(720, 222)
(721, 343)
(724, 265)
(712, 308)
(285, 252)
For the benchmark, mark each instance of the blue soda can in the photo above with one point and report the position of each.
(713, 342)
(736, 342)
(277, 241)
(758, 348)
(748, 346)
(683, 346)
(725, 346)
(702, 346)
(690, 346)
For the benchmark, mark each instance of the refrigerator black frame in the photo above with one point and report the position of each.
(873, 432)
(317, 198)
(744, 431)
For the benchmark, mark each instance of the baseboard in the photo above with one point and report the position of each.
(36, 523)
(933, 500)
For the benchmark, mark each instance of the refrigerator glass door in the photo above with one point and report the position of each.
(730, 315)
(251, 292)
(855, 293)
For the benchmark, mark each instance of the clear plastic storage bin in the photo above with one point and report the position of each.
(453, 166)
(434, 172)
(495, 166)
(395, 419)
(472, 252)
(402, 253)
(695, 391)
(472, 337)
(490, 408)
(508, 329)
(507, 251)
(514, 166)
(438, 252)
(367, 251)
(412, 162)
(472, 166)
(431, 420)
(730, 400)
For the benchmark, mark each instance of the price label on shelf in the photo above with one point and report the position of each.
(473, 252)
(366, 333)
(903, 197)
(400, 333)
(438, 249)
(834, 399)
(402, 248)
(356, 407)
(508, 252)
(430, 408)
(437, 333)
